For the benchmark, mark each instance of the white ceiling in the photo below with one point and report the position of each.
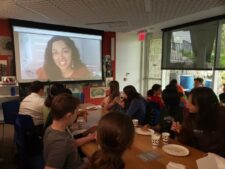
(108, 15)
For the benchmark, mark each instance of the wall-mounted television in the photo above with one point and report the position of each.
(48, 52)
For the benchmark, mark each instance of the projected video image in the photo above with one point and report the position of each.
(56, 56)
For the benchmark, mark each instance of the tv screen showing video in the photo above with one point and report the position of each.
(56, 55)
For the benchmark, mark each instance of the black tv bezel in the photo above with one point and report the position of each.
(39, 25)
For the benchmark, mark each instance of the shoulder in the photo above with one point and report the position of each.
(57, 139)
(41, 73)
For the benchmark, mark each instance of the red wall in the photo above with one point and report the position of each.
(106, 50)
(5, 31)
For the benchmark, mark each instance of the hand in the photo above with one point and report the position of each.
(176, 126)
(91, 136)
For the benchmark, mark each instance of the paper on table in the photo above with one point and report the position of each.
(148, 156)
(173, 165)
(211, 161)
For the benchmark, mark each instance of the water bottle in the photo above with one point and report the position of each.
(13, 91)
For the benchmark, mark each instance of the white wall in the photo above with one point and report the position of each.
(128, 52)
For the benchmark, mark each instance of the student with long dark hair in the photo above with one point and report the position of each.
(134, 103)
(110, 102)
(203, 127)
(62, 60)
(115, 134)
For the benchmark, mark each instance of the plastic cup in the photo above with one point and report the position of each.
(165, 137)
(80, 122)
(155, 140)
(135, 122)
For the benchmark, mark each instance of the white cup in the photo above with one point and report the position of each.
(135, 122)
(155, 140)
(165, 137)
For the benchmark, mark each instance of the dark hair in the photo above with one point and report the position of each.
(50, 67)
(208, 105)
(114, 89)
(36, 86)
(200, 80)
(54, 90)
(115, 134)
(173, 82)
(131, 93)
(171, 99)
(62, 104)
(154, 88)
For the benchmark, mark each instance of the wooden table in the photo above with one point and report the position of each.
(143, 144)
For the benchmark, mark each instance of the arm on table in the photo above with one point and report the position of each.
(86, 139)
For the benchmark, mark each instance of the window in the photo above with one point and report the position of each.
(190, 47)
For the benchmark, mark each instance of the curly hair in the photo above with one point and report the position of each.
(50, 67)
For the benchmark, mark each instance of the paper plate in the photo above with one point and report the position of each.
(175, 150)
(144, 132)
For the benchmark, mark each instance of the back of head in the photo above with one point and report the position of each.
(63, 104)
(154, 88)
(115, 134)
(171, 97)
(36, 86)
(54, 90)
(208, 107)
(173, 82)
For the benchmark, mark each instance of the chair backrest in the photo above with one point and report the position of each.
(23, 124)
(29, 145)
(10, 111)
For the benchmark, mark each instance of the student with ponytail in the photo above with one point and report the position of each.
(115, 134)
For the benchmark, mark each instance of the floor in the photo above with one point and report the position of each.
(7, 148)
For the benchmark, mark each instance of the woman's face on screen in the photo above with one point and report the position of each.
(61, 54)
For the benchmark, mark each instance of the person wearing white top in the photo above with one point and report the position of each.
(33, 104)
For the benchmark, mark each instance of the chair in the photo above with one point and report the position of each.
(10, 111)
(28, 143)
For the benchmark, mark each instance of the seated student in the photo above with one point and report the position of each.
(174, 83)
(60, 149)
(115, 134)
(54, 90)
(203, 127)
(198, 82)
(33, 105)
(172, 111)
(154, 95)
(134, 104)
(110, 102)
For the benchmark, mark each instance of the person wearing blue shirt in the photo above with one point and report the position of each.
(134, 104)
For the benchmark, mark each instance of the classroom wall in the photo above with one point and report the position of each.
(128, 52)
